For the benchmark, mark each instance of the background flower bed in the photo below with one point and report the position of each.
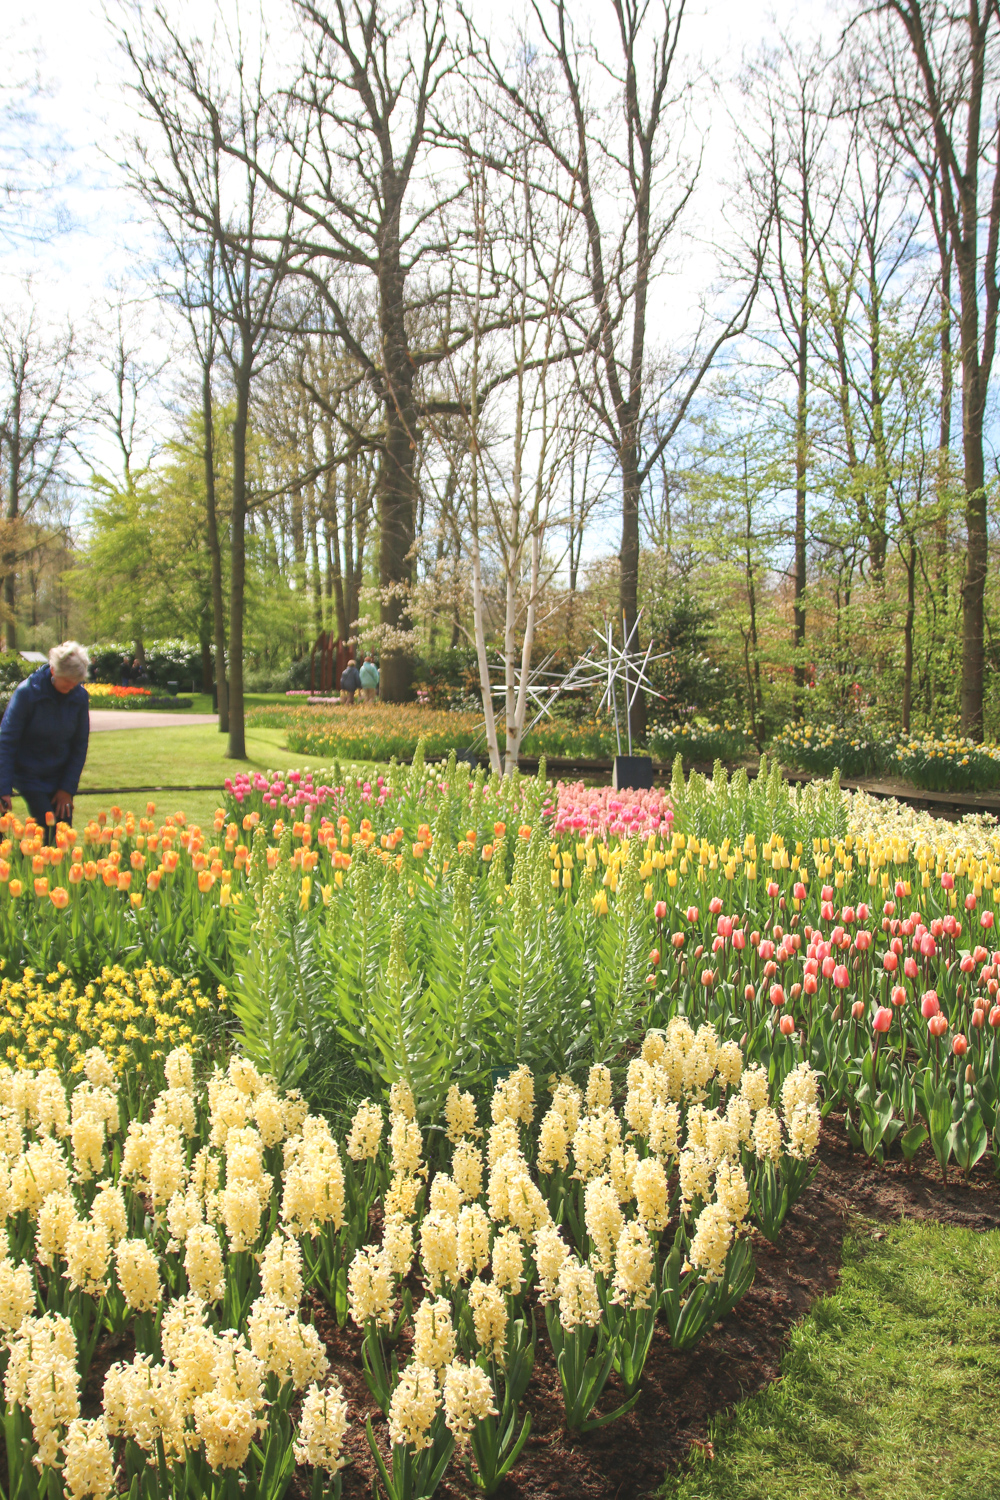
(945, 763)
(114, 695)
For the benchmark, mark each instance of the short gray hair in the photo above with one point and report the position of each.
(70, 660)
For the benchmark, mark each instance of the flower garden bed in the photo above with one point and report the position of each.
(520, 1086)
(112, 695)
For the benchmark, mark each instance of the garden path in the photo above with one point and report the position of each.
(127, 718)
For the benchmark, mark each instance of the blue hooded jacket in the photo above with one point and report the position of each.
(43, 737)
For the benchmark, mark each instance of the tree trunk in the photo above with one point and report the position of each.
(205, 641)
(396, 519)
(237, 749)
(801, 470)
(628, 582)
(214, 549)
(911, 583)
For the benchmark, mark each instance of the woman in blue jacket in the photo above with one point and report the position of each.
(44, 735)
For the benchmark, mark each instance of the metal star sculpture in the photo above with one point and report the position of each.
(614, 666)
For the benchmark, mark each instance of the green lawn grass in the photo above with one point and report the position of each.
(174, 756)
(888, 1391)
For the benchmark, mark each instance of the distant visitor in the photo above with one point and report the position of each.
(369, 680)
(350, 681)
(44, 736)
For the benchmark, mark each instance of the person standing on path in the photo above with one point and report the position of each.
(369, 680)
(44, 737)
(350, 681)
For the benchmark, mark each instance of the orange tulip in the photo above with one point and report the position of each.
(4, 870)
(90, 870)
(59, 898)
(153, 880)
(42, 887)
(15, 888)
(136, 899)
(206, 880)
(124, 880)
(138, 861)
(75, 874)
(170, 859)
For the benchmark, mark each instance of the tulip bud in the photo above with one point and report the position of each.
(970, 1073)
(660, 910)
(654, 956)
(858, 1010)
(786, 1025)
(795, 991)
(772, 889)
(749, 993)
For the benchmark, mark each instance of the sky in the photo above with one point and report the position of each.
(85, 106)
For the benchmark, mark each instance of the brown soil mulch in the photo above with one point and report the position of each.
(681, 1393)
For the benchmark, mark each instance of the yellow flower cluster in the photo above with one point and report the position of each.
(171, 1214)
(136, 1016)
